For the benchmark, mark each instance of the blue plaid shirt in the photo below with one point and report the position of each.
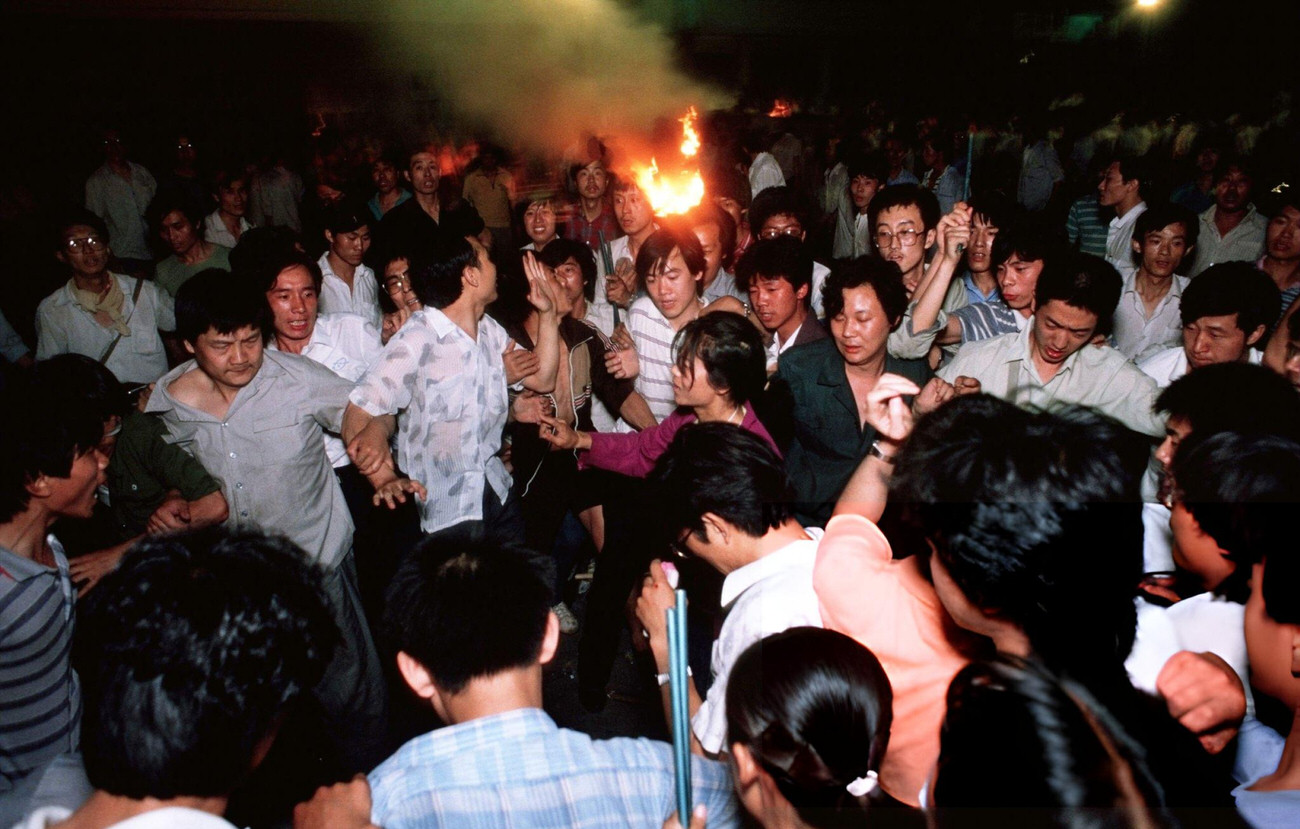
(519, 769)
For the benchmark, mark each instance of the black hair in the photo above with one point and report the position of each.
(871, 165)
(173, 200)
(81, 382)
(558, 251)
(782, 258)
(1037, 519)
(1233, 397)
(905, 195)
(467, 609)
(345, 217)
(437, 268)
(882, 275)
(1229, 160)
(1293, 327)
(1135, 167)
(1280, 585)
(995, 208)
(42, 436)
(730, 184)
(259, 243)
(1029, 238)
(725, 470)
(732, 352)
(215, 300)
(1233, 288)
(814, 709)
(1082, 281)
(1243, 491)
(655, 250)
(261, 263)
(1019, 744)
(224, 174)
(1159, 216)
(777, 201)
(75, 217)
(708, 213)
(194, 647)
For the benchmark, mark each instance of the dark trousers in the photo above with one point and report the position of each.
(382, 536)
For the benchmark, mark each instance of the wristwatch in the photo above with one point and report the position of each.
(877, 452)
(662, 679)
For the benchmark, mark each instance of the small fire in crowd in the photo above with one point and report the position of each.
(781, 109)
(679, 191)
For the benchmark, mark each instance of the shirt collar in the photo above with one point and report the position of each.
(1130, 217)
(518, 723)
(161, 400)
(738, 581)
(1022, 352)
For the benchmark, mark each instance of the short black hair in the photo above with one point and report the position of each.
(258, 243)
(173, 200)
(215, 300)
(80, 382)
(994, 207)
(1082, 281)
(904, 195)
(777, 201)
(1028, 237)
(1135, 167)
(782, 258)
(882, 275)
(261, 263)
(558, 251)
(1233, 288)
(437, 268)
(1229, 160)
(42, 436)
(345, 217)
(224, 174)
(1243, 491)
(1233, 397)
(725, 470)
(467, 608)
(708, 213)
(1036, 516)
(1159, 216)
(731, 184)
(732, 352)
(194, 647)
(71, 219)
(871, 165)
(655, 250)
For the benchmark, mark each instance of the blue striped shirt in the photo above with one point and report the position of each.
(40, 697)
(519, 770)
(1085, 226)
(985, 320)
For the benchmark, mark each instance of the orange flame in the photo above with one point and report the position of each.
(677, 192)
(781, 109)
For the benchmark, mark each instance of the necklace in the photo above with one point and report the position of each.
(737, 416)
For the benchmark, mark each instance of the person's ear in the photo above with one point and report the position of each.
(930, 236)
(61, 256)
(329, 238)
(416, 675)
(1255, 336)
(189, 346)
(1136, 245)
(550, 640)
(716, 528)
(746, 766)
(406, 174)
(802, 293)
(38, 487)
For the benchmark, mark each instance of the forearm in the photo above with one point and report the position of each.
(1275, 351)
(666, 695)
(951, 333)
(931, 291)
(548, 355)
(636, 412)
(867, 491)
(355, 421)
(209, 509)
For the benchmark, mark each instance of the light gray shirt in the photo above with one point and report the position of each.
(1244, 243)
(1119, 239)
(122, 204)
(1138, 336)
(1095, 376)
(268, 451)
(64, 327)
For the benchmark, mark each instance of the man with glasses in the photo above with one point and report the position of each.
(780, 211)
(108, 317)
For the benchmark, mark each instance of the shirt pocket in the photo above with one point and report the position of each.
(448, 398)
(279, 440)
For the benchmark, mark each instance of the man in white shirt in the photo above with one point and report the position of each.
(119, 192)
(227, 223)
(349, 286)
(782, 212)
(867, 174)
(1124, 183)
(764, 170)
(725, 501)
(1146, 319)
(636, 218)
(777, 274)
(1232, 230)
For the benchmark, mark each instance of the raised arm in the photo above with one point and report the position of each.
(542, 298)
(954, 235)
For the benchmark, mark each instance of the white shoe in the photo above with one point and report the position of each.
(568, 622)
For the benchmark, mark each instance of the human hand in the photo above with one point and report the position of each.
(620, 286)
(699, 818)
(622, 362)
(541, 293)
(966, 385)
(954, 231)
(86, 571)
(884, 409)
(520, 362)
(394, 492)
(172, 514)
(142, 399)
(1160, 587)
(656, 598)
(561, 435)
(341, 806)
(369, 451)
(936, 392)
(529, 406)
(1205, 695)
(393, 322)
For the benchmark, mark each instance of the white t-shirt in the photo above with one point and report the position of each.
(361, 299)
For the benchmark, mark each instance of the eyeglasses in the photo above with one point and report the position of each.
(82, 245)
(777, 232)
(906, 238)
(679, 548)
(399, 282)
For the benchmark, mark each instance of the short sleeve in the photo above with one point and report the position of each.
(389, 383)
(164, 307)
(325, 393)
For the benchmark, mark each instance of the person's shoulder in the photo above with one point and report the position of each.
(1159, 364)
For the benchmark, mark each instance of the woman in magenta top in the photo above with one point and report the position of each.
(721, 367)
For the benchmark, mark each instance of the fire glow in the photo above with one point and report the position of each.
(679, 191)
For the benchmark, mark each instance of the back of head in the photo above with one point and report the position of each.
(79, 383)
(1045, 750)
(813, 708)
(732, 352)
(215, 300)
(257, 243)
(777, 201)
(781, 258)
(882, 275)
(437, 268)
(1036, 518)
(905, 195)
(43, 435)
(1083, 281)
(195, 645)
(721, 469)
(467, 609)
(1232, 288)
(1233, 397)
(729, 183)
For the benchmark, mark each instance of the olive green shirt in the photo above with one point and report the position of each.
(144, 468)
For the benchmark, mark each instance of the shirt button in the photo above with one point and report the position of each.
(224, 425)
(233, 455)
(243, 514)
(239, 485)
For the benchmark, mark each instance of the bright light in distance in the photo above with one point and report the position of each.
(1148, 4)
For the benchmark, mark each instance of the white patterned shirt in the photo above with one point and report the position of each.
(449, 393)
(361, 299)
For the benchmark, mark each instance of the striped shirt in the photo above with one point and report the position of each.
(518, 769)
(985, 320)
(40, 696)
(1085, 226)
(653, 336)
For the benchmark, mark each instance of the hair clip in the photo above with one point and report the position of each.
(864, 784)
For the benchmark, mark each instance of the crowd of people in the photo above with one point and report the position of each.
(976, 473)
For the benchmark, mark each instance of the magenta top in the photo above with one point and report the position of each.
(635, 453)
